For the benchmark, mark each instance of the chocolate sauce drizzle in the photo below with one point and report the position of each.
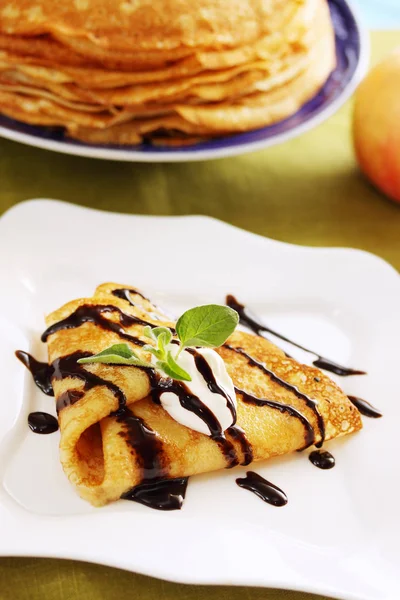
(365, 408)
(41, 372)
(125, 294)
(309, 437)
(239, 436)
(205, 370)
(68, 366)
(264, 489)
(228, 451)
(192, 403)
(145, 443)
(166, 494)
(322, 459)
(252, 322)
(187, 400)
(154, 491)
(288, 386)
(42, 422)
(94, 314)
(62, 368)
(68, 398)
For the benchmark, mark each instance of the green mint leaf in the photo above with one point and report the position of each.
(157, 353)
(207, 326)
(148, 348)
(161, 342)
(119, 354)
(183, 375)
(162, 336)
(114, 359)
(180, 376)
(122, 350)
(163, 332)
(148, 332)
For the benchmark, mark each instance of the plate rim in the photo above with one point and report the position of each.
(368, 255)
(122, 155)
(160, 571)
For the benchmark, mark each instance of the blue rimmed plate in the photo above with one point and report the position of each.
(352, 51)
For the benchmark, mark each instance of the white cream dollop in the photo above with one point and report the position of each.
(223, 406)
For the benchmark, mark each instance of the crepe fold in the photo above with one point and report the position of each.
(114, 436)
(123, 72)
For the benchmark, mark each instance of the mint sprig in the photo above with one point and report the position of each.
(162, 336)
(119, 354)
(206, 326)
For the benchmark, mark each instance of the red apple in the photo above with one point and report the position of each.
(376, 125)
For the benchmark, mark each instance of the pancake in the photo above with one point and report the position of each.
(256, 110)
(42, 107)
(43, 52)
(54, 93)
(192, 71)
(230, 83)
(106, 24)
(22, 54)
(275, 100)
(283, 406)
(125, 73)
(215, 85)
(266, 107)
(62, 66)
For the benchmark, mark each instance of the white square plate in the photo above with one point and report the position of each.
(339, 533)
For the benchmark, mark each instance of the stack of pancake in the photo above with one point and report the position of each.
(165, 71)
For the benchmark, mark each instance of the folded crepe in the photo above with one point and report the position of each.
(114, 436)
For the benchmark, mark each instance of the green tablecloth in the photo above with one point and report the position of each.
(307, 191)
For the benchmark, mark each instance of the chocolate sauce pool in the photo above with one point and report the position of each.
(42, 422)
(264, 489)
(167, 494)
(322, 459)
